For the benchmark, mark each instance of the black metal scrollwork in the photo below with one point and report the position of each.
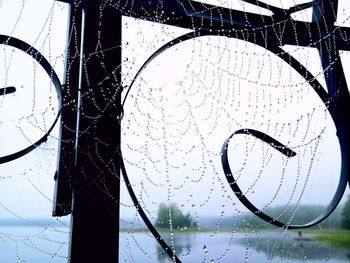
(35, 54)
(287, 152)
(331, 100)
(191, 14)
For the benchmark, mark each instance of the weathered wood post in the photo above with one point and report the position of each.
(90, 133)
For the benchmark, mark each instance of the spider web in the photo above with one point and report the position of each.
(196, 89)
(28, 232)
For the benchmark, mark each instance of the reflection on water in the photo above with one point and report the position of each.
(226, 247)
(34, 244)
(288, 247)
(182, 245)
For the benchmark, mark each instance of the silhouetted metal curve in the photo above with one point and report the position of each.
(143, 215)
(320, 91)
(244, 200)
(35, 54)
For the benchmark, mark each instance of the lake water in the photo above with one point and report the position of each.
(50, 244)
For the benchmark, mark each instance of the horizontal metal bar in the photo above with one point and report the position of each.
(229, 22)
(7, 90)
(66, 1)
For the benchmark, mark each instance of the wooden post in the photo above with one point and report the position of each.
(95, 215)
(89, 166)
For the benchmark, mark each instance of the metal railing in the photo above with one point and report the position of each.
(92, 195)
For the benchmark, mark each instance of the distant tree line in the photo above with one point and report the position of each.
(340, 218)
(302, 215)
(171, 214)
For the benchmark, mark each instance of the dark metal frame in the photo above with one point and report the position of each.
(92, 195)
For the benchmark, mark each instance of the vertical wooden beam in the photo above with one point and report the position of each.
(95, 181)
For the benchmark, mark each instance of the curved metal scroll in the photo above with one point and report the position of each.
(320, 91)
(244, 200)
(35, 54)
(134, 199)
(143, 215)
